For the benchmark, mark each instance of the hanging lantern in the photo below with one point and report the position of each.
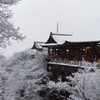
(83, 49)
(88, 47)
(67, 50)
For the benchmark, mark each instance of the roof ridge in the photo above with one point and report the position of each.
(39, 42)
(61, 34)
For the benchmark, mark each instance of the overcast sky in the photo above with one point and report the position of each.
(36, 18)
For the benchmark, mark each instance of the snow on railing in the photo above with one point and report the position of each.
(72, 62)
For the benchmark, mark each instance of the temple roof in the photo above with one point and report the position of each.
(88, 34)
(37, 45)
(61, 39)
(57, 38)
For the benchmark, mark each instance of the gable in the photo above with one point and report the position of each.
(51, 40)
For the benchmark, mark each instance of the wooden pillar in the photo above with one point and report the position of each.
(48, 50)
(86, 52)
(55, 51)
(58, 51)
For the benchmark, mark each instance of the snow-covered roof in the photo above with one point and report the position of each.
(37, 45)
(61, 39)
(58, 38)
(90, 33)
(50, 44)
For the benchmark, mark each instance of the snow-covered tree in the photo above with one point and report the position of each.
(7, 29)
(21, 76)
(85, 85)
(10, 2)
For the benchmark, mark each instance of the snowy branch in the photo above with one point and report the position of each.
(7, 29)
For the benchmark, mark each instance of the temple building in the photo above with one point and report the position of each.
(81, 45)
(67, 53)
(63, 46)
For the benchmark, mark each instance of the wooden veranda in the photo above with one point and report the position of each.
(75, 51)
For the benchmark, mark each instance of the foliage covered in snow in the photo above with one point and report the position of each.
(7, 29)
(10, 2)
(21, 76)
(84, 85)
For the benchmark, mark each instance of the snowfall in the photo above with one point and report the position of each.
(21, 79)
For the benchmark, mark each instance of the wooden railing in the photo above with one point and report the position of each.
(71, 62)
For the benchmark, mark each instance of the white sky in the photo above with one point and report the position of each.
(36, 18)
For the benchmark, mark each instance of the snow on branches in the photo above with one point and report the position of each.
(20, 76)
(85, 85)
(10, 2)
(7, 29)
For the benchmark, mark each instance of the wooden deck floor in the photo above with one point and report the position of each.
(63, 66)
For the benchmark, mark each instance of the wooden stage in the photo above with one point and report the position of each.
(63, 66)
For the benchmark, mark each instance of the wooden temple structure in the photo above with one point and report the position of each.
(65, 55)
(61, 47)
